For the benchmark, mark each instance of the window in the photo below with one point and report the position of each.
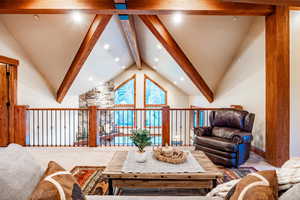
(198, 119)
(154, 97)
(125, 98)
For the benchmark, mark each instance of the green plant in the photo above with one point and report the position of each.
(141, 138)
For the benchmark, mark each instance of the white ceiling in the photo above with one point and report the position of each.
(51, 42)
(210, 42)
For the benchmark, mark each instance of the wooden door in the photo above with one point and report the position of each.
(4, 105)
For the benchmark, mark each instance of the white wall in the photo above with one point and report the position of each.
(295, 83)
(33, 90)
(176, 97)
(244, 82)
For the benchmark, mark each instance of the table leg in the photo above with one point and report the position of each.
(110, 187)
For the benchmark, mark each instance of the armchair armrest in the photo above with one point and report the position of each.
(202, 131)
(241, 137)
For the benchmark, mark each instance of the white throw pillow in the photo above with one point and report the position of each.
(19, 173)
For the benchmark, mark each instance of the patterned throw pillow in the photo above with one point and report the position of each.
(57, 184)
(256, 186)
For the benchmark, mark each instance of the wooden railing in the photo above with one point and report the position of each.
(94, 126)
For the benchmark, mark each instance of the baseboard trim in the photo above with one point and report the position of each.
(258, 151)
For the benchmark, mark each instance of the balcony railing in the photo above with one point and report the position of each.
(107, 127)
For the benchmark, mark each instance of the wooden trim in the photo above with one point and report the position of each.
(122, 84)
(141, 7)
(9, 61)
(93, 126)
(162, 34)
(258, 151)
(268, 2)
(278, 86)
(20, 124)
(97, 27)
(158, 85)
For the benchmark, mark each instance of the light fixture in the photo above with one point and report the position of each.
(123, 67)
(156, 59)
(158, 46)
(106, 46)
(154, 67)
(77, 17)
(181, 78)
(175, 82)
(177, 18)
(36, 17)
(91, 78)
(117, 59)
(235, 18)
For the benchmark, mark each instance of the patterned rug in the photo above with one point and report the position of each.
(91, 181)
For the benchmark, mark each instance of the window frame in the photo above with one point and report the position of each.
(153, 106)
(129, 106)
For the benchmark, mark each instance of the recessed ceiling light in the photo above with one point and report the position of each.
(36, 17)
(123, 67)
(175, 82)
(235, 18)
(106, 46)
(177, 18)
(158, 46)
(117, 59)
(181, 78)
(154, 67)
(156, 59)
(77, 17)
(91, 78)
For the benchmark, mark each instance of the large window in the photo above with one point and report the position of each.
(125, 98)
(154, 97)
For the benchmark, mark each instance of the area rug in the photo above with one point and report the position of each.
(90, 179)
(235, 173)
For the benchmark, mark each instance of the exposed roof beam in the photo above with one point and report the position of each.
(130, 33)
(129, 30)
(98, 25)
(268, 2)
(162, 34)
(142, 7)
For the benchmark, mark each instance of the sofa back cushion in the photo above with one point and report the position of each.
(226, 133)
(228, 118)
(19, 173)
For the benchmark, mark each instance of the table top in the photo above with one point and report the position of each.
(114, 169)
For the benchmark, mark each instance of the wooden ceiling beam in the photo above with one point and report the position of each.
(97, 27)
(138, 7)
(162, 34)
(268, 2)
(129, 30)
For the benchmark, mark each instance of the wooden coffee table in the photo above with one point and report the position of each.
(204, 180)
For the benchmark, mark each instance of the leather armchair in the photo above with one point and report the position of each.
(228, 139)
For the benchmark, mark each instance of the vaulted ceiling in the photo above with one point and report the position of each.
(51, 41)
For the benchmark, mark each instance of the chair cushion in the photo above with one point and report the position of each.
(226, 133)
(58, 184)
(216, 143)
(229, 118)
(19, 173)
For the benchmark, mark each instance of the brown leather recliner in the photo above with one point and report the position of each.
(228, 139)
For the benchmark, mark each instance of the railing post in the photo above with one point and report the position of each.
(93, 125)
(20, 124)
(166, 125)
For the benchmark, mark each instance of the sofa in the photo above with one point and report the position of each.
(227, 141)
(22, 167)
